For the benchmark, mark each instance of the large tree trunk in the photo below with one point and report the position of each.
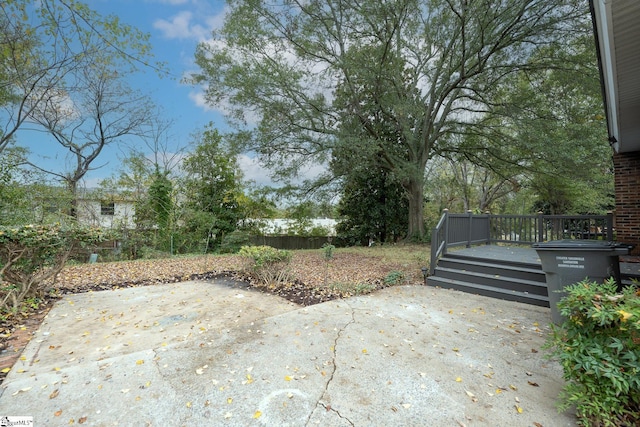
(415, 191)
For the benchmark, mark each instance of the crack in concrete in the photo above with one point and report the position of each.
(156, 362)
(320, 401)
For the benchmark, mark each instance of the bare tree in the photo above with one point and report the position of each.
(44, 42)
(96, 110)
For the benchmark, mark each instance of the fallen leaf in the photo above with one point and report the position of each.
(54, 394)
(518, 409)
(22, 390)
(287, 378)
(531, 383)
(139, 362)
(57, 413)
(537, 424)
(5, 370)
(189, 405)
(624, 316)
(229, 400)
(257, 414)
(82, 420)
(472, 396)
(458, 380)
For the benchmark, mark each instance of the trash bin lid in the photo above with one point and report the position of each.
(584, 245)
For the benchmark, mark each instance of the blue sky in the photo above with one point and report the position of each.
(175, 28)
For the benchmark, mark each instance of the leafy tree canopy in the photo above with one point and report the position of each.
(302, 78)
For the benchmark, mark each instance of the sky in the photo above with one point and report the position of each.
(175, 28)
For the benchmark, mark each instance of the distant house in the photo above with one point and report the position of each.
(111, 212)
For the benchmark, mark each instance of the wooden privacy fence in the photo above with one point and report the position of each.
(290, 242)
(467, 229)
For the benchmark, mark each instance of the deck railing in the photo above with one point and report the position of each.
(471, 229)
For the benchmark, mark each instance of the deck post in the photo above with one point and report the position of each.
(488, 227)
(609, 225)
(470, 231)
(446, 231)
(540, 219)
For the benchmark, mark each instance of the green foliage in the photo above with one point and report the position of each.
(349, 289)
(373, 206)
(160, 198)
(234, 241)
(393, 278)
(327, 251)
(563, 105)
(31, 256)
(402, 77)
(269, 266)
(598, 346)
(212, 188)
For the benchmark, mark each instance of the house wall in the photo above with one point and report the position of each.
(627, 187)
(89, 213)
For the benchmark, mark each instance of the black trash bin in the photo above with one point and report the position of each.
(566, 262)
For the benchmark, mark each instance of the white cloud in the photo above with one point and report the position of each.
(178, 27)
(254, 171)
(199, 100)
(185, 26)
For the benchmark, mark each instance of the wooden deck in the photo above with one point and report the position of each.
(526, 255)
(629, 266)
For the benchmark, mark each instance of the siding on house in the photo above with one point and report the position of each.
(112, 214)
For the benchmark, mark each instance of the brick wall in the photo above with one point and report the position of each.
(627, 187)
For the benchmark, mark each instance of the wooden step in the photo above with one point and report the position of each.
(495, 279)
(522, 272)
(490, 291)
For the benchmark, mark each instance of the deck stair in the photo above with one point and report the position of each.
(513, 280)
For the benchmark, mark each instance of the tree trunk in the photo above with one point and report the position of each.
(415, 192)
(72, 186)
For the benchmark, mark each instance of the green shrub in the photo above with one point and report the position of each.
(269, 266)
(327, 251)
(234, 241)
(598, 346)
(31, 256)
(394, 277)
